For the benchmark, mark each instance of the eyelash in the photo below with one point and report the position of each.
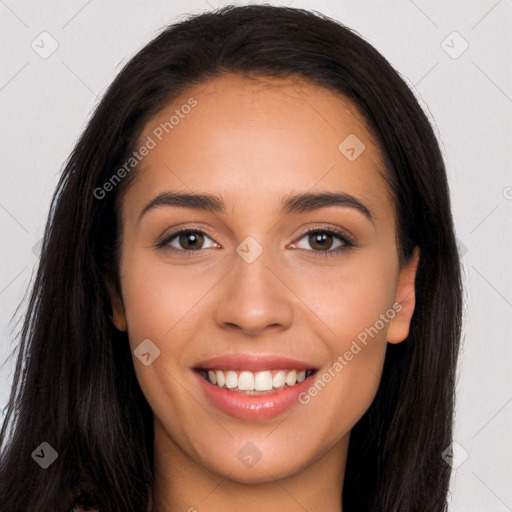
(164, 241)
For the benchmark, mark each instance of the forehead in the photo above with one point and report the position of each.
(253, 140)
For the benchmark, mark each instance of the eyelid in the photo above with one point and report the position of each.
(168, 235)
(347, 237)
(165, 239)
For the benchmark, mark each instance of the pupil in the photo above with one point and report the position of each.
(188, 240)
(321, 239)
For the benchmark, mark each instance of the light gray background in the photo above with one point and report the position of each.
(45, 104)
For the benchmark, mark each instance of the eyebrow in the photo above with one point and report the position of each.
(294, 203)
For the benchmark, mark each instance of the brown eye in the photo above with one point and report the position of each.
(192, 240)
(320, 240)
(324, 242)
(186, 241)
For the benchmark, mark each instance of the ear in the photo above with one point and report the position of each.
(118, 316)
(405, 300)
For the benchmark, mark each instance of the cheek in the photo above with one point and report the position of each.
(351, 297)
(161, 302)
(356, 310)
(164, 303)
(162, 299)
(354, 302)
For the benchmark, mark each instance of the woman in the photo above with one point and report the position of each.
(249, 290)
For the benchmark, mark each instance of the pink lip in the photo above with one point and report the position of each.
(253, 407)
(253, 363)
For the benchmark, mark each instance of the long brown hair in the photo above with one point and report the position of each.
(75, 385)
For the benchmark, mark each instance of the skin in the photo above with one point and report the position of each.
(253, 141)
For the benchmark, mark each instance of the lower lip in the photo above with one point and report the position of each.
(253, 407)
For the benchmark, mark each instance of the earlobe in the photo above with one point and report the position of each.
(405, 300)
(118, 315)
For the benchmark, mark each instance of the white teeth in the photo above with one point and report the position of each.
(279, 379)
(291, 378)
(221, 380)
(263, 381)
(231, 380)
(247, 381)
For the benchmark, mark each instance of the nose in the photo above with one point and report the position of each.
(254, 299)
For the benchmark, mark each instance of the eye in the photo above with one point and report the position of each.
(185, 240)
(324, 241)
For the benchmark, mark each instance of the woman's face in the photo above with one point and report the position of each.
(265, 282)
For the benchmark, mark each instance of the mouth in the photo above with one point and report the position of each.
(253, 387)
(255, 382)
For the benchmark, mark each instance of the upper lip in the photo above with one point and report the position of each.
(253, 362)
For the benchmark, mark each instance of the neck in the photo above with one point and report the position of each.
(183, 484)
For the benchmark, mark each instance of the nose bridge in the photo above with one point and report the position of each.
(255, 298)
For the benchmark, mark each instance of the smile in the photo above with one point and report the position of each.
(255, 383)
(253, 386)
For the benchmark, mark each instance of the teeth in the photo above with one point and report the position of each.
(246, 381)
(249, 382)
(291, 378)
(263, 381)
(279, 379)
(231, 380)
(220, 378)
